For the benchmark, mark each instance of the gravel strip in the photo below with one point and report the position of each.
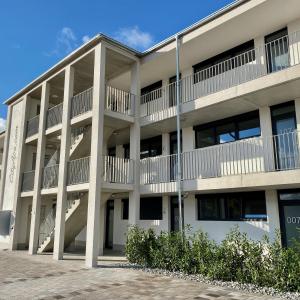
(251, 288)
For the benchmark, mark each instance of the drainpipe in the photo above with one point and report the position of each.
(179, 175)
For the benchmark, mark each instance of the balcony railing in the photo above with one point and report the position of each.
(79, 171)
(50, 177)
(254, 155)
(82, 103)
(272, 57)
(33, 126)
(119, 101)
(27, 181)
(118, 170)
(54, 115)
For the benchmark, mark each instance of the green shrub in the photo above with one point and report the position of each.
(236, 258)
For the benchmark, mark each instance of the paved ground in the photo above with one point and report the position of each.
(39, 277)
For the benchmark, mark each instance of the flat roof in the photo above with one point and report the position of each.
(99, 37)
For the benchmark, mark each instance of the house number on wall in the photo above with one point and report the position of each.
(293, 220)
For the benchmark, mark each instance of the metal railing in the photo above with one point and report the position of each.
(54, 115)
(28, 181)
(118, 170)
(47, 225)
(255, 63)
(119, 101)
(82, 103)
(50, 177)
(254, 155)
(33, 126)
(79, 171)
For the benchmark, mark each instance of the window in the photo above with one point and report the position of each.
(228, 130)
(151, 208)
(151, 147)
(225, 61)
(151, 92)
(232, 206)
(277, 50)
(126, 151)
(112, 151)
(125, 209)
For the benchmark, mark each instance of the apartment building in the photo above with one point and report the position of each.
(91, 144)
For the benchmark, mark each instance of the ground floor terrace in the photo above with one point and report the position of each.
(39, 277)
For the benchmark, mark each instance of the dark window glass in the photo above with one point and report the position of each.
(249, 128)
(151, 92)
(232, 206)
(226, 133)
(151, 147)
(38, 109)
(151, 208)
(33, 161)
(225, 61)
(205, 137)
(209, 208)
(228, 130)
(125, 209)
(112, 151)
(126, 151)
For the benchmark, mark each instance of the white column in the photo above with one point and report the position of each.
(294, 41)
(40, 156)
(135, 136)
(120, 151)
(297, 109)
(5, 154)
(165, 143)
(59, 233)
(259, 44)
(96, 159)
(188, 139)
(19, 171)
(266, 133)
(272, 212)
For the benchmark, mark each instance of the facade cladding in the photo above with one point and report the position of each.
(91, 145)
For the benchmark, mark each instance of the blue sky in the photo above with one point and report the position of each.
(36, 34)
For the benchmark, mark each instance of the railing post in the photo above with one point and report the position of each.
(134, 196)
(93, 240)
(63, 165)
(40, 155)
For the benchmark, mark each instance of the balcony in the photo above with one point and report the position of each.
(79, 171)
(275, 56)
(32, 126)
(116, 100)
(50, 177)
(54, 116)
(255, 155)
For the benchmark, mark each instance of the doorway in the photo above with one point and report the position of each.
(289, 209)
(109, 224)
(175, 213)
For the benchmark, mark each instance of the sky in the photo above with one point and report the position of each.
(36, 34)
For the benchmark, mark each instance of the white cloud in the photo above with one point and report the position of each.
(2, 124)
(85, 39)
(66, 42)
(134, 37)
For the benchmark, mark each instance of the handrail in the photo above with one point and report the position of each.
(54, 115)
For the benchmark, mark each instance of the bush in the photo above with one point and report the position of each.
(237, 258)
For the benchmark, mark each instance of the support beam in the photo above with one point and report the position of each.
(40, 156)
(135, 136)
(58, 249)
(96, 159)
(16, 210)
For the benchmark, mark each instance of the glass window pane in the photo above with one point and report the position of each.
(151, 208)
(205, 137)
(255, 208)
(226, 133)
(208, 208)
(234, 208)
(249, 128)
(125, 209)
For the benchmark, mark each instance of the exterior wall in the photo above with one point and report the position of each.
(120, 226)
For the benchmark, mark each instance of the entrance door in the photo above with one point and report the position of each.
(109, 228)
(289, 205)
(175, 214)
(285, 139)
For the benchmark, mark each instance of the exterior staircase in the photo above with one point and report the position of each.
(80, 140)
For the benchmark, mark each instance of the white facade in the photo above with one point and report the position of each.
(90, 147)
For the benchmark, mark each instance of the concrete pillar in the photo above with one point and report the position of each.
(267, 140)
(5, 155)
(16, 211)
(40, 155)
(94, 199)
(120, 151)
(272, 212)
(135, 136)
(297, 109)
(293, 31)
(188, 139)
(65, 141)
(165, 144)
(259, 45)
